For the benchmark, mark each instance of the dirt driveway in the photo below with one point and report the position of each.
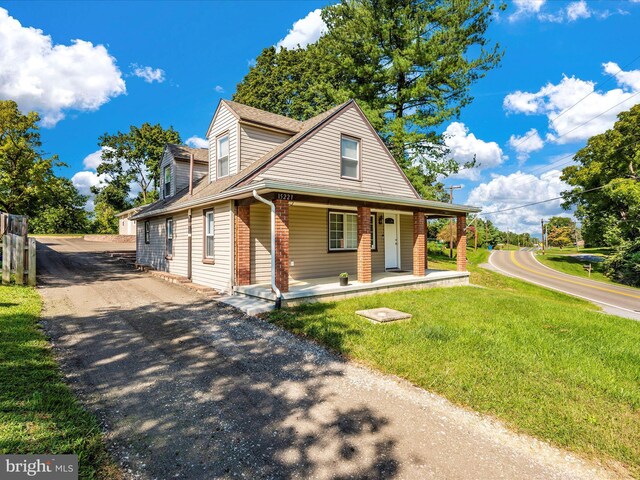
(186, 388)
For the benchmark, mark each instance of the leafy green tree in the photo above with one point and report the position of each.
(135, 156)
(408, 63)
(562, 231)
(24, 172)
(606, 183)
(64, 211)
(28, 185)
(606, 192)
(110, 199)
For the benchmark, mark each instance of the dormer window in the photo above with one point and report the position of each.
(223, 156)
(350, 158)
(167, 181)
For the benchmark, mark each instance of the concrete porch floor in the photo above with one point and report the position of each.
(328, 288)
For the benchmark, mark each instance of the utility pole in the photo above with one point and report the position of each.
(486, 233)
(451, 189)
(546, 236)
(542, 238)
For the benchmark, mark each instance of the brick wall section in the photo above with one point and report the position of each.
(426, 244)
(418, 244)
(461, 256)
(243, 245)
(282, 245)
(364, 244)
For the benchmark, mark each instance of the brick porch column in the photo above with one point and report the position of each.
(426, 243)
(282, 245)
(243, 245)
(418, 244)
(364, 244)
(461, 255)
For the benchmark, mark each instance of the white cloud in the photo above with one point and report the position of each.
(219, 89)
(525, 144)
(197, 142)
(304, 31)
(463, 146)
(578, 10)
(525, 8)
(630, 79)
(574, 108)
(52, 79)
(507, 191)
(148, 74)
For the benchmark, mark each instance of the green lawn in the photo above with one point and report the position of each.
(573, 266)
(38, 412)
(545, 363)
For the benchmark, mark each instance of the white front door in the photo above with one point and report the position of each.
(391, 241)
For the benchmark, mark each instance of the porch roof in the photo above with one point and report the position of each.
(183, 200)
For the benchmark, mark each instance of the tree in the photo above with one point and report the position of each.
(24, 173)
(408, 63)
(135, 157)
(28, 185)
(606, 192)
(64, 211)
(562, 231)
(606, 183)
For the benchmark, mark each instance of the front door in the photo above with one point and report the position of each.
(391, 241)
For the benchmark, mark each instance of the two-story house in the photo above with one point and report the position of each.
(278, 208)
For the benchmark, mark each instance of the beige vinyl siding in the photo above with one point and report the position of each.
(406, 242)
(178, 263)
(317, 160)
(182, 173)
(167, 159)
(260, 223)
(225, 122)
(152, 254)
(255, 142)
(219, 275)
(308, 246)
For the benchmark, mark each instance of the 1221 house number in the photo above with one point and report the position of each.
(284, 196)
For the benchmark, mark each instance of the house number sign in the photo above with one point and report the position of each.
(284, 196)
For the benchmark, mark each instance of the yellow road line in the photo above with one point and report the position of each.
(563, 279)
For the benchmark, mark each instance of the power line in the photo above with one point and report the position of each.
(549, 199)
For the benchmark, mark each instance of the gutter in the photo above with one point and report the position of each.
(273, 247)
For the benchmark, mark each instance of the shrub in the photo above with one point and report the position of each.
(624, 265)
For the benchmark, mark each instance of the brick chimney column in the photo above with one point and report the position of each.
(243, 245)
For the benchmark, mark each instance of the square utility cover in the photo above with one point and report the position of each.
(383, 315)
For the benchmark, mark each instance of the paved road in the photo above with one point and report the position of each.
(187, 388)
(615, 299)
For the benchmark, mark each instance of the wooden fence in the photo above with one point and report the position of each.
(15, 224)
(18, 258)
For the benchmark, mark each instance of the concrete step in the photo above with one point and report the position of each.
(249, 305)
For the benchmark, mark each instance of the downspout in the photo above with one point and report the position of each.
(273, 247)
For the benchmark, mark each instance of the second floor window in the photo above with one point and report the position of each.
(223, 156)
(167, 181)
(350, 158)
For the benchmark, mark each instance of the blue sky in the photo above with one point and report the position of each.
(96, 67)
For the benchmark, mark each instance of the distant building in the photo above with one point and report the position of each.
(126, 226)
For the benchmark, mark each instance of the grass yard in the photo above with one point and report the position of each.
(38, 412)
(573, 266)
(545, 363)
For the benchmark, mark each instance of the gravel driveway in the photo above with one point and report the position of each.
(187, 388)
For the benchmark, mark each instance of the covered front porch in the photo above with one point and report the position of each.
(381, 246)
(328, 288)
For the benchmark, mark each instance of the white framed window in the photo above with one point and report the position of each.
(147, 232)
(222, 154)
(209, 234)
(350, 158)
(169, 237)
(167, 181)
(343, 231)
